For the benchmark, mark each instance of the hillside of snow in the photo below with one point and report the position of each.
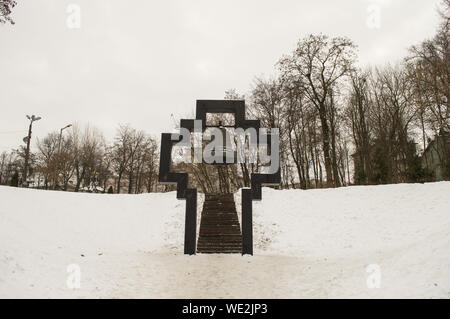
(328, 243)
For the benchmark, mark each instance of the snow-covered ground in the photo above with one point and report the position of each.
(381, 241)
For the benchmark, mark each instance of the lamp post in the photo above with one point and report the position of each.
(32, 119)
(60, 136)
(59, 163)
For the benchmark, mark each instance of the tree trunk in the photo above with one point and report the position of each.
(326, 146)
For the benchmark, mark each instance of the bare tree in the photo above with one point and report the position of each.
(6, 7)
(48, 148)
(357, 116)
(429, 69)
(88, 149)
(136, 145)
(266, 105)
(316, 66)
(121, 153)
(150, 170)
(9, 164)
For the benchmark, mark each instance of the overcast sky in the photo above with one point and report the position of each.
(139, 61)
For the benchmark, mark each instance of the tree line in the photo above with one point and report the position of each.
(339, 125)
(83, 160)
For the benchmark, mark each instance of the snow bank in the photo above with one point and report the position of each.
(315, 243)
(403, 229)
(347, 222)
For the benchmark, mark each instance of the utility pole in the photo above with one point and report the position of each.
(32, 119)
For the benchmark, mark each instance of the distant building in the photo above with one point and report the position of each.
(436, 157)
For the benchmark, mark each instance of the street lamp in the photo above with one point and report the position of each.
(59, 163)
(60, 135)
(32, 119)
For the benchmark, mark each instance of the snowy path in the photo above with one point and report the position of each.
(307, 244)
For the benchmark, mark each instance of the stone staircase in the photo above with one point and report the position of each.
(220, 232)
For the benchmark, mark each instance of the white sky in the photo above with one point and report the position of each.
(139, 61)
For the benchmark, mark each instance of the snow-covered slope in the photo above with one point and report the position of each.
(316, 243)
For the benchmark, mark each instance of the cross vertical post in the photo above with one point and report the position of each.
(247, 222)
